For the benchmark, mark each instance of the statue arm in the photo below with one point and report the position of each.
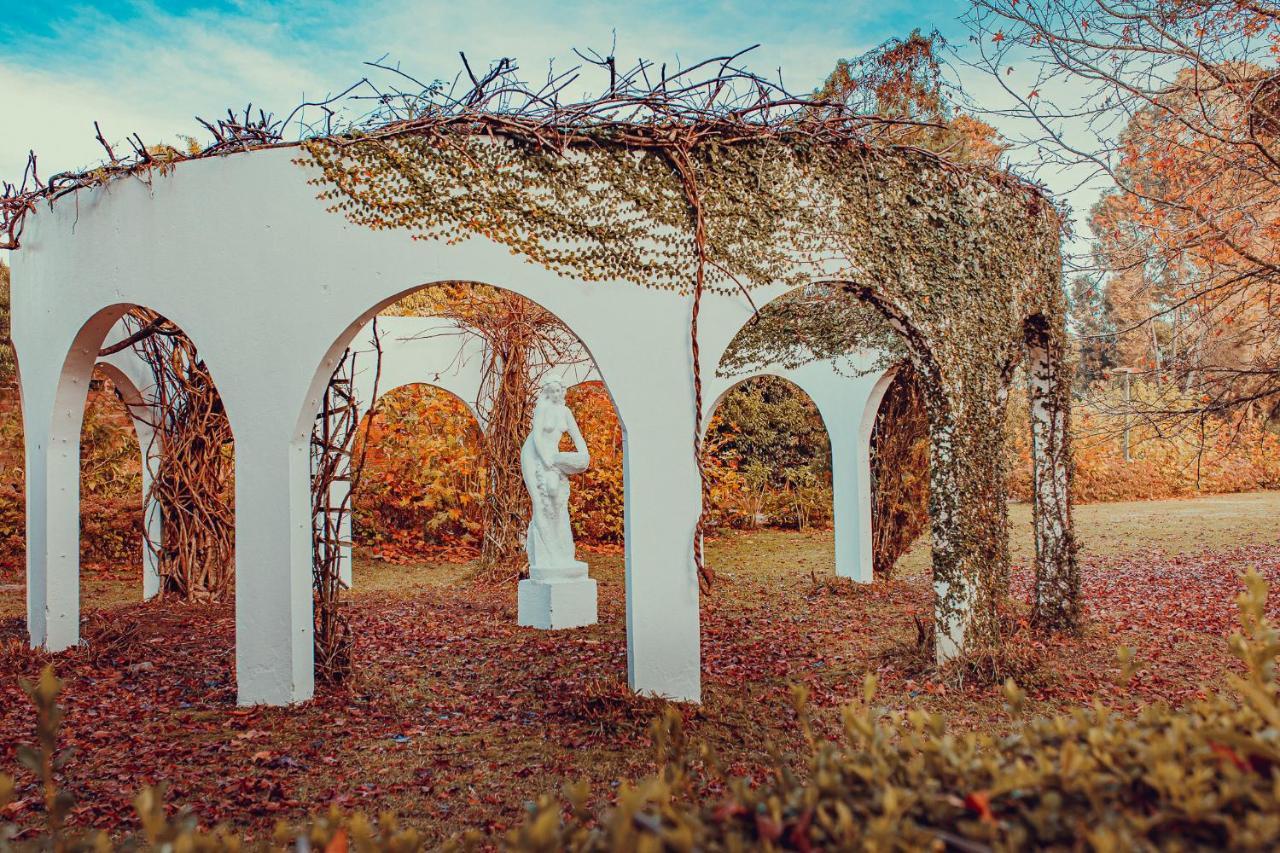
(571, 425)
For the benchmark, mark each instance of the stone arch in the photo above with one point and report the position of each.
(473, 422)
(365, 323)
(343, 339)
(848, 390)
(967, 506)
(53, 412)
(308, 271)
(779, 376)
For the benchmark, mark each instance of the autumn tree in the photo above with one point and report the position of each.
(1092, 322)
(902, 79)
(1176, 106)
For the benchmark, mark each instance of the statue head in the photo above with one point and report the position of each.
(552, 391)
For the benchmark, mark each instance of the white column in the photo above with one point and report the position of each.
(851, 501)
(664, 655)
(149, 442)
(53, 398)
(53, 524)
(274, 653)
(850, 436)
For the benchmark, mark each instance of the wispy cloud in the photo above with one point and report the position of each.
(145, 67)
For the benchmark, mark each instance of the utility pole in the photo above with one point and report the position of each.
(1128, 372)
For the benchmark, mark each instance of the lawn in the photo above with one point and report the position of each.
(457, 718)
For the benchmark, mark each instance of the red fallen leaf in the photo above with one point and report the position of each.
(767, 828)
(1229, 754)
(262, 755)
(337, 844)
(979, 802)
(728, 809)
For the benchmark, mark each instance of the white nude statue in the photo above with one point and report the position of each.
(546, 469)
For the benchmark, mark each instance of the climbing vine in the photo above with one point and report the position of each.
(952, 260)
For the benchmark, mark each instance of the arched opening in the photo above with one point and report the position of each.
(419, 496)
(144, 428)
(767, 458)
(419, 499)
(845, 333)
(436, 468)
(113, 544)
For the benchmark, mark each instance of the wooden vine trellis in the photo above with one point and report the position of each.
(192, 481)
(334, 461)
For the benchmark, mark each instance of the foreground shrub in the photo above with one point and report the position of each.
(1203, 777)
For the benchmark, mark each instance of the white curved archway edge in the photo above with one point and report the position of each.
(305, 283)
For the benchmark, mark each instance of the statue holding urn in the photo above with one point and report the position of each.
(558, 593)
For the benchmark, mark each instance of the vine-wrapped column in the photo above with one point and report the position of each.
(969, 516)
(152, 519)
(1057, 580)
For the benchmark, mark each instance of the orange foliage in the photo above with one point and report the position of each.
(1236, 454)
(595, 502)
(110, 483)
(423, 478)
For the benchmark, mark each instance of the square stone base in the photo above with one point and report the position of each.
(556, 604)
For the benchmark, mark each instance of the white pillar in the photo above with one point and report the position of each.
(153, 539)
(53, 524)
(664, 655)
(274, 653)
(851, 501)
(53, 399)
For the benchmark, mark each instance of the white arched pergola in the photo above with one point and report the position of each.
(273, 289)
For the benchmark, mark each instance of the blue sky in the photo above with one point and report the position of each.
(149, 67)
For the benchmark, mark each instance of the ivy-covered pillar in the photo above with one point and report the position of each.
(968, 512)
(1057, 576)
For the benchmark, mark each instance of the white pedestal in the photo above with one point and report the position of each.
(556, 603)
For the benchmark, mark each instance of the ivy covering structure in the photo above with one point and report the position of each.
(963, 266)
(652, 221)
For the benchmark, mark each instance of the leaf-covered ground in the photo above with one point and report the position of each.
(458, 718)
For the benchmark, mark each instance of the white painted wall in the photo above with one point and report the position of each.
(273, 288)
